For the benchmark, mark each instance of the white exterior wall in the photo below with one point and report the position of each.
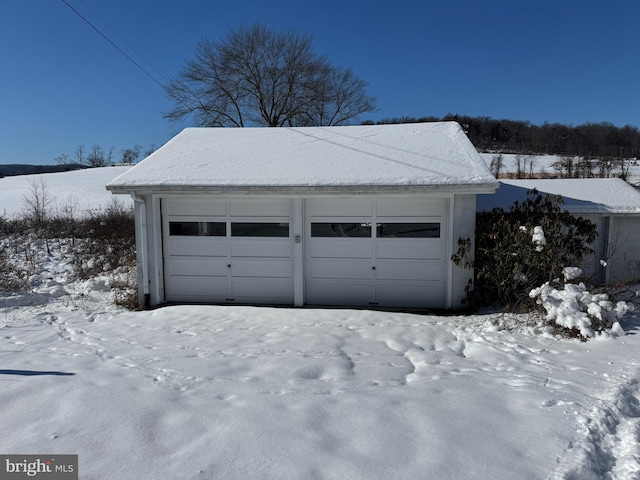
(616, 243)
(142, 260)
(591, 268)
(623, 252)
(464, 226)
(148, 250)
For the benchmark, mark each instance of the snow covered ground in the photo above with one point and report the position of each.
(83, 188)
(208, 392)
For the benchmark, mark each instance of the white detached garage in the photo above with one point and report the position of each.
(353, 216)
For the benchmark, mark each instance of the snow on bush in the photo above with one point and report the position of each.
(538, 238)
(575, 308)
(571, 273)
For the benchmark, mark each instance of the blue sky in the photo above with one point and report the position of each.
(62, 85)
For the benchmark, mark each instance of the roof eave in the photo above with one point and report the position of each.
(482, 187)
(605, 211)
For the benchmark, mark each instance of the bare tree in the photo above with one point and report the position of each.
(80, 155)
(519, 164)
(63, 159)
(37, 201)
(109, 156)
(497, 164)
(529, 164)
(624, 169)
(566, 166)
(257, 76)
(337, 97)
(586, 167)
(131, 155)
(152, 148)
(96, 156)
(569, 166)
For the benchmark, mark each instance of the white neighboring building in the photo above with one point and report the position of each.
(354, 216)
(611, 203)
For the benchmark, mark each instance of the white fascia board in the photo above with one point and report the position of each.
(303, 189)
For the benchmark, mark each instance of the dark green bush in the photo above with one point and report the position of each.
(508, 263)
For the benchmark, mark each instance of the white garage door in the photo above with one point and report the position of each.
(376, 252)
(238, 251)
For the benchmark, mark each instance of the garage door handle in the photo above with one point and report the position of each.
(229, 265)
(373, 268)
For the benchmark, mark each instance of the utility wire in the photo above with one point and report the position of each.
(88, 22)
(123, 40)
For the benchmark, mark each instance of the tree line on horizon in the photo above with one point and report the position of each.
(590, 140)
(82, 157)
(96, 156)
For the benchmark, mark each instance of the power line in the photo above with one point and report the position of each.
(122, 39)
(114, 45)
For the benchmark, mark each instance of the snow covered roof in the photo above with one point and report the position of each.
(581, 195)
(423, 156)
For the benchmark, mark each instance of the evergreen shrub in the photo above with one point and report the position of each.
(521, 248)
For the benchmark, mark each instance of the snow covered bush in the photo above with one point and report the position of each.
(105, 241)
(13, 279)
(522, 248)
(573, 308)
(98, 246)
(106, 246)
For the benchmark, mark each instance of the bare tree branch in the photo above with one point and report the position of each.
(257, 76)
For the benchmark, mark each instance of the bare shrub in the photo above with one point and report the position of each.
(13, 279)
(102, 244)
(106, 241)
(124, 286)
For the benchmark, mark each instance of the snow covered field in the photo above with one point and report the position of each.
(544, 164)
(213, 392)
(84, 188)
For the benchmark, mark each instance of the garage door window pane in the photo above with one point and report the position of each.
(198, 229)
(408, 230)
(259, 229)
(357, 230)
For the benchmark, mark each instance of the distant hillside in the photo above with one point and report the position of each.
(84, 190)
(14, 169)
(591, 140)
